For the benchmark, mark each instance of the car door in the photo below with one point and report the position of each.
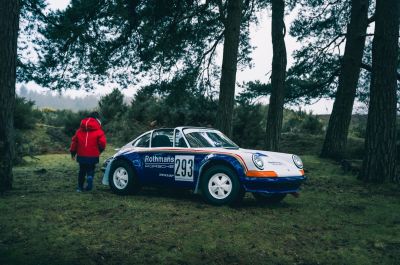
(187, 162)
(169, 161)
(184, 162)
(158, 161)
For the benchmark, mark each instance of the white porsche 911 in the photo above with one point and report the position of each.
(206, 161)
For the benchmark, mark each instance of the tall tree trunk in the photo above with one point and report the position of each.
(279, 61)
(229, 66)
(9, 19)
(380, 143)
(339, 121)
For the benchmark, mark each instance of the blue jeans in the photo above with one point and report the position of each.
(86, 170)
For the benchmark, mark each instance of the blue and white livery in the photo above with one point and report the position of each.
(206, 161)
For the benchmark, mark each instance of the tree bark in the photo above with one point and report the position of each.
(339, 121)
(9, 20)
(279, 62)
(229, 66)
(379, 162)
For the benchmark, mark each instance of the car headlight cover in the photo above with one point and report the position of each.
(297, 161)
(258, 161)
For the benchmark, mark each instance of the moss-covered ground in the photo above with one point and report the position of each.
(336, 220)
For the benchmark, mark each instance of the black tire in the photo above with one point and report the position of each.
(122, 178)
(269, 198)
(226, 175)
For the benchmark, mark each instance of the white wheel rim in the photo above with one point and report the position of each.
(120, 178)
(220, 186)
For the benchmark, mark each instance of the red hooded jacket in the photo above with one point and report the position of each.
(89, 141)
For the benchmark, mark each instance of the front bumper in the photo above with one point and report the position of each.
(273, 184)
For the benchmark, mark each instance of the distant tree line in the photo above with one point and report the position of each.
(91, 42)
(149, 109)
(58, 101)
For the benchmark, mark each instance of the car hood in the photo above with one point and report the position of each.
(281, 163)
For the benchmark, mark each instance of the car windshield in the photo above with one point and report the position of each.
(208, 138)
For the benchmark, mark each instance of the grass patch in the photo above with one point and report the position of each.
(336, 220)
(41, 139)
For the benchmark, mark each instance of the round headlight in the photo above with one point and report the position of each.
(258, 161)
(297, 161)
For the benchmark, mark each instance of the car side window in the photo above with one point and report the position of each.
(162, 138)
(179, 140)
(143, 141)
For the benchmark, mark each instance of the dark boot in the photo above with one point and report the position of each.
(89, 186)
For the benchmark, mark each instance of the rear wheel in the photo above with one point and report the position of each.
(268, 198)
(122, 178)
(221, 186)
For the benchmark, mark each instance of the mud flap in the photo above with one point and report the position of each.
(105, 180)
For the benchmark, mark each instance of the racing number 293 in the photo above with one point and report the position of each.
(184, 166)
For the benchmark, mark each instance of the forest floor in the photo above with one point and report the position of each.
(336, 220)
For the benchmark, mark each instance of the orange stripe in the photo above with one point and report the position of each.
(302, 172)
(261, 174)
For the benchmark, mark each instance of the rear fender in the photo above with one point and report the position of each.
(132, 158)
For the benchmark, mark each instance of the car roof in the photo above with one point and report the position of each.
(184, 127)
(194, 127)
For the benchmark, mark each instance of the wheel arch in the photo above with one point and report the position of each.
(129, 161)
(133, 178)
(231, 163)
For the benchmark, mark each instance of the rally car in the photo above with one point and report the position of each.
(206, 161)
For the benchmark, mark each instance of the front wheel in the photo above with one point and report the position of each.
(268, 198)
(221, 186)
(122, 178)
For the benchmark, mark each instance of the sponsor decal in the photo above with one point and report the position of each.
(182, 166)
(166, 175)
(157, 161)
(275, 163)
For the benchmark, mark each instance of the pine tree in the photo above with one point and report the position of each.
(379, 162)
(9, 19)
(339, 122)
(229, 66)
(279, 61)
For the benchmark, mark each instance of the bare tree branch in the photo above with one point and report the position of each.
(221, 9)
(369, 69)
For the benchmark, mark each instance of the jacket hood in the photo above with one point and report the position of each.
(90, 124)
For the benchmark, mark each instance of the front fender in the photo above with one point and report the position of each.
(220, 159)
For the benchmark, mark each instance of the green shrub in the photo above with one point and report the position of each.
(112, 105)
(302, 122)
(72, 121)
(311, 124)
(25, 116)
(249, 125)
(122, 130)
(358, 125)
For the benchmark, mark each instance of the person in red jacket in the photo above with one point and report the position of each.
(87, 144)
